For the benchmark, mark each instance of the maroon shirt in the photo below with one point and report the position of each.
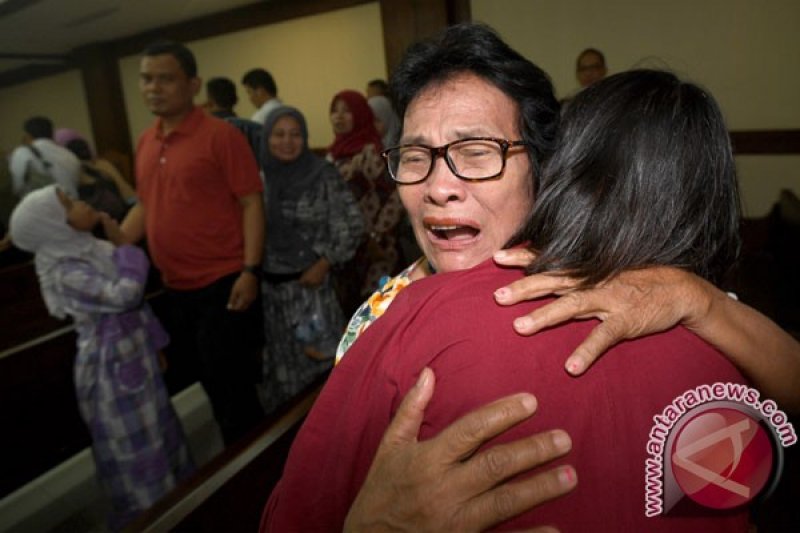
(451, 323)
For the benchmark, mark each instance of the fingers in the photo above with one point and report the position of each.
(235, 300)
(408, 419)
(599, 341)
(488, 468)
(517, 257)
(466, 434)
(567, 307)
(509, 500)
(533, 286)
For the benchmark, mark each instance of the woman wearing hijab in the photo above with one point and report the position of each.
(137, 441)
(313, 224)
(356, 153)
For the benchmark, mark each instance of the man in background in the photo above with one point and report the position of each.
(590, 67)
(39, 161)
(377, 87)
(262, 91)
(201, 210)
(221, 97)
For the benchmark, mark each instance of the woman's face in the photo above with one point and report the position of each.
(341, 117)
(459, 224)
(286, 139)
(80, 215)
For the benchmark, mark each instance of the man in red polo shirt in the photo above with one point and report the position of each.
(202, 212)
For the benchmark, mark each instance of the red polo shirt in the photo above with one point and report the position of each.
(189, 183)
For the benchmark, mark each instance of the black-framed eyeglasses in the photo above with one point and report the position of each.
(471, 159)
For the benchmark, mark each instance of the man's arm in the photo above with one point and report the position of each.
(245, 289)
(130, 231)
(442, 485)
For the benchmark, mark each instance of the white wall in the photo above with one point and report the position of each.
(60, 97)
(311, 59)
(746, 52)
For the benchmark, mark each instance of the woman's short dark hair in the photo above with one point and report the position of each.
(643, 175)
(476, 48)
(181, 53)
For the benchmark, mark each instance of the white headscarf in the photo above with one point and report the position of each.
(382, 108)
(39, 225)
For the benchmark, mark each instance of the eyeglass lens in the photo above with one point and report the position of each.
(470, 158)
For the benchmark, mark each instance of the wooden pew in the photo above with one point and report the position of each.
(39, 413)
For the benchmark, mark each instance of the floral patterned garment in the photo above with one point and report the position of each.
(374, 307)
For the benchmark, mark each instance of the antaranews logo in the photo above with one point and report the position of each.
(719, 445)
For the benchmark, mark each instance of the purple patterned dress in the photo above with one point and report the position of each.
(137, 440)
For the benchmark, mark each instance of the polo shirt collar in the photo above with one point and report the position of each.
(190, 122)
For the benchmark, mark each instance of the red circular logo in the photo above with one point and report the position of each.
(722, 458)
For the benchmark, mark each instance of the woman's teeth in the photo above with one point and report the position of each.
(451, 232)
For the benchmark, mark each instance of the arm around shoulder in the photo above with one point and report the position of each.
(640, 302)
(763, 351)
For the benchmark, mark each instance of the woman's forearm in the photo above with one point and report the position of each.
(764, 352)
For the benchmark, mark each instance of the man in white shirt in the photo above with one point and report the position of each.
(39, 160)
(262, 91)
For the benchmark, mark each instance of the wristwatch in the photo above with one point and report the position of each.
(253, 269)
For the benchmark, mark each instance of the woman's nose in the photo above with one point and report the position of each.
(442, 185)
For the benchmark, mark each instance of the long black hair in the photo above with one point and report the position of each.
(643, 175)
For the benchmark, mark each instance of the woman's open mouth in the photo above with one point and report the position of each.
(453, 232)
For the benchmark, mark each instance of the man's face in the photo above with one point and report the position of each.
(590, 69)
(374, 90)
(167, 90)
(257, 95)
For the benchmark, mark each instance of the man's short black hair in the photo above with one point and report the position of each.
(183, 55)
(39, 127)
(258, 77)
(380, 85)
(222, 92)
